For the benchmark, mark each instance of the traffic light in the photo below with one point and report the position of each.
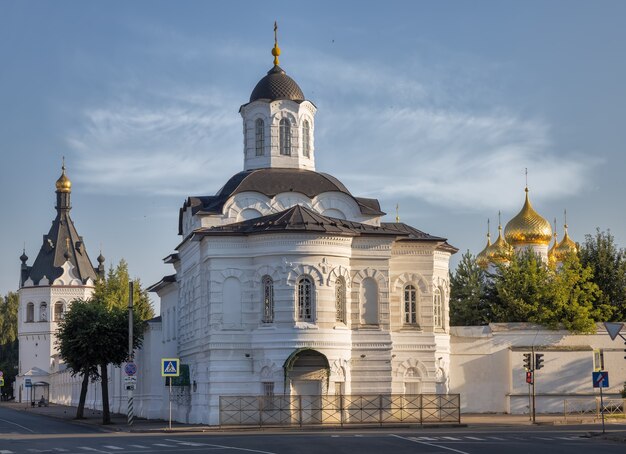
(528, 361)
(529, 377)
(538, 361)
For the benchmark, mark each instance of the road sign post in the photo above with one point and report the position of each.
(170, 367)
(130, 388)
(600, 380)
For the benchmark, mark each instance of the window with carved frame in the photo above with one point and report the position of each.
(305, 299)
(410, 305)
(285, 137)
(437, 309)
(306, 138)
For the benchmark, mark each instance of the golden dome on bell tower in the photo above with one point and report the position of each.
(566, 246)
(500, 251)
(63, 184)
(528, 227)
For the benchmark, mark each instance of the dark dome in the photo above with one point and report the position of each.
(277, 85)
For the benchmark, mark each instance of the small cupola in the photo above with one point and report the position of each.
(278, 122)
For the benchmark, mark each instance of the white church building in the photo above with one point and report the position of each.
(285, 283)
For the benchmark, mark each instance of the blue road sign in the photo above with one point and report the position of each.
(28, 383)
(600, 379)
(170, 367)
(130, 369)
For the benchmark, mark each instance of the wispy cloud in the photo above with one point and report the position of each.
(382, 130)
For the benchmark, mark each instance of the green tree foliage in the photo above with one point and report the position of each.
(527, 290)
(113, 291)
(91, 337)
(608, 264)
(8, 340)
(468, 302)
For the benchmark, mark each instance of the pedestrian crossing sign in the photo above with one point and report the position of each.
(170, 367)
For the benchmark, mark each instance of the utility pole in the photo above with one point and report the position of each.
(533, 383)
(131, 415)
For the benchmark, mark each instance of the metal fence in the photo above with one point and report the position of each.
(592, 408)
(339, 410)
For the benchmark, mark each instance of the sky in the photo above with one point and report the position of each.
(435, 106)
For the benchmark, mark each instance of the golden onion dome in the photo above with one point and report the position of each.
(528, 227)
(63, 184)
(565, 247)
(481, 259)
(500, 251)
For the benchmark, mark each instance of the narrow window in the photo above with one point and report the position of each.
(306, 138)
(59, 311)
(259, 136)
(340, 300)
(339, 388)
(410, 305)
(285, 137)
(305, 299)
(268, 395)
(437, 309)
(43, 312)
(30, 312)
(268, 300)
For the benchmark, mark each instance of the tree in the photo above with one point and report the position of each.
(114, 292)
(96, 335)
(91, 337)
(9, 349)
(608, 263)
(468, 302)
(75, 336)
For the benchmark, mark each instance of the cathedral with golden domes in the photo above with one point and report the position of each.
(527, 230)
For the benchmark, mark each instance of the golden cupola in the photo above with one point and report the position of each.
(63, 184)
(566, 246)
(500, 251)
(481, 259)
(528, 227)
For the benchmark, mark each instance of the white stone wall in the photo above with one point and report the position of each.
(487, 367)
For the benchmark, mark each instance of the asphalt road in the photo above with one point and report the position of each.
(27, 433)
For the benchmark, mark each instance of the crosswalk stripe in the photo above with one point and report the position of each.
(497, 438)
(475, 438)
(113, 447)
(191, 443)
(138, 446)
(5, 451)
(87, 448)
(163, 445)
(451, 438)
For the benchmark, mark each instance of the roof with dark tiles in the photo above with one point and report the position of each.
(273, 181)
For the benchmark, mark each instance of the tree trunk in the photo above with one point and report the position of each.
(106, 414)
(83, 396)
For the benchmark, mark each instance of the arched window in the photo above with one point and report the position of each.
(305, 299)
(306, 138)
(59, 311)
(259, 136)
(43, 312)
(268, 299)
(285, 137)
(30, 312)
(410, 305)
(340, 299)
(437, 309)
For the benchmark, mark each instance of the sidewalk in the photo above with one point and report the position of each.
(119, 422)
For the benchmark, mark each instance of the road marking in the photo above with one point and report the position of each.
(247, 450)
(451, 438)
(424, 438)
(18, 425)
(138, 446)
(185, 443)
(543, 438)
(5, 451)
(475, 438)
(87, 448)
(163, 445)
(497, 438)
(113, 447)
(430, 444)
(60, 450)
